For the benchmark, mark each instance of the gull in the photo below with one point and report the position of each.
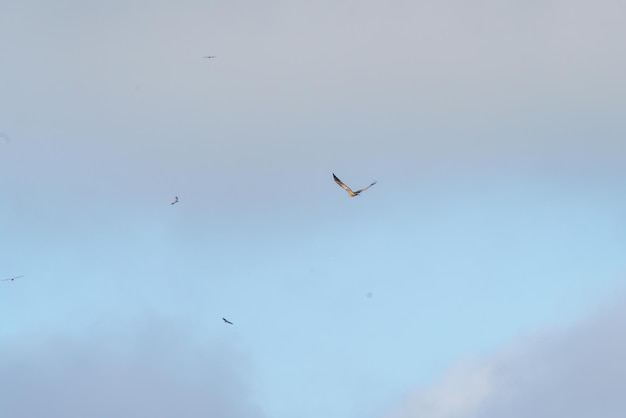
(12, 278)
(227, 321)
(175, 200)
(349, 190)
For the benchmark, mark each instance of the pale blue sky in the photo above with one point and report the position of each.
(495, 131)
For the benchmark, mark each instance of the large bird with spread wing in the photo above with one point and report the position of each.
(349, 190)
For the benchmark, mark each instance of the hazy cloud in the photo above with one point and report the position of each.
(158, 372)
(112, 87)
(577, 373)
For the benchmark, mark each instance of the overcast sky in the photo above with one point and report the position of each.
(495, 232)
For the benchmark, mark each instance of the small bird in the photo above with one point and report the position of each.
(349, 190)
(209, 56)
(175, 200)
(12, 278)
(227, 321)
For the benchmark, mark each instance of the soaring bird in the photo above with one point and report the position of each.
(209, 56)
(349, 190)
(227, 321)
(175, 200)
(12, 278)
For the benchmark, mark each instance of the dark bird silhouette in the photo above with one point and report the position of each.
(209, 56)
(175, 200)
(12, 278)
(227, 321)
(349, 190)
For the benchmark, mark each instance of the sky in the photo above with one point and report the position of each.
(484, 271)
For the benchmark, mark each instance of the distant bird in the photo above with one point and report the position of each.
(175, 200)
(349, 190)
(227, 321)
(209, 56)
(11, 279)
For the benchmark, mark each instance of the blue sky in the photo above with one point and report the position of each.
(495, 133)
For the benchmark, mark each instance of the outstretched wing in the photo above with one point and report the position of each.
(343, 185)
(12, 278)
(227, 321)
(365, 188)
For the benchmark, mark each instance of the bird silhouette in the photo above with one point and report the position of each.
(11, 279)
(209, 56)
(227, 321)
(175, 200)
(349, 190)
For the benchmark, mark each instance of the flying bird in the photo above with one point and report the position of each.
(209, 56)
(349, 190)
(227, 321)
(175, 200)
(12, 278)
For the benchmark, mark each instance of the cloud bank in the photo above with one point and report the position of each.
(575, 373)
(159, 372)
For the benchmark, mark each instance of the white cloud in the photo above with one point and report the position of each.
(577, 373)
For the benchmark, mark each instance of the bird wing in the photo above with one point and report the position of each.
(343, 185)
(365, 188)
(227, 321)
(12, 278)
